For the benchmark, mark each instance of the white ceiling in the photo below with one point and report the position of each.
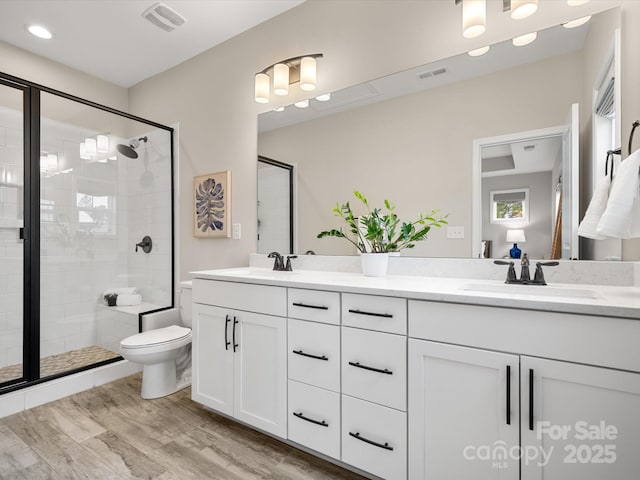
(530, 156)
(111, 40)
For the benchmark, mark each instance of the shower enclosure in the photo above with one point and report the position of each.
(74, 210)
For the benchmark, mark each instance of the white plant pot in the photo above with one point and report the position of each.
(374, 264)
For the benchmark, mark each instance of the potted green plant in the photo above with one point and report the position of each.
(111, 299)
(378, 232)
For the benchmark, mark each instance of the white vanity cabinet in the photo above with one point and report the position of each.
(374, 384)
(314, 370)
(586, 420)
(571, 420)
(239, 356)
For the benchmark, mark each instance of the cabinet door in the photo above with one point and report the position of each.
(212, 357)
(584, 419)
(463, 412)
(261, 372)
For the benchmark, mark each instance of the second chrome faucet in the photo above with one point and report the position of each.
(525, 277)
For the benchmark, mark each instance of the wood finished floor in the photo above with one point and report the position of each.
(109, 432)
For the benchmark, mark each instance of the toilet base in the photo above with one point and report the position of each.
(160, 380)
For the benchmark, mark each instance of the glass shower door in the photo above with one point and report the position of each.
(11, 224)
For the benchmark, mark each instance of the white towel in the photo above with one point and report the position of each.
(121, 291)
(127, 300)
(597, 206)
(621, 219)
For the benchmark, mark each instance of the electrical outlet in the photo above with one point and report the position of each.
(455, 232)
(237, 231)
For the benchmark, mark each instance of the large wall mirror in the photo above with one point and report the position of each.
(416, 139)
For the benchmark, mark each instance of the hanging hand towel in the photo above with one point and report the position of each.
(621, 218)
(128, 300)
(596, 208)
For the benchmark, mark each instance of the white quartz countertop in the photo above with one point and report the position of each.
(613, 301)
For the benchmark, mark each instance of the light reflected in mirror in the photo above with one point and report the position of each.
(409, 138)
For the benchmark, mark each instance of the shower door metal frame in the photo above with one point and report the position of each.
(289, 168)
(30, 232)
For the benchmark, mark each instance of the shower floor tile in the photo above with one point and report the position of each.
(62, 362)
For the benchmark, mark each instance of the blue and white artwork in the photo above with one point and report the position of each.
(212, 198)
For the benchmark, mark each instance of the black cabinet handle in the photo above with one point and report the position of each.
(531, 399)
(357, 364)
(311, 420)
(235, 322)
(371, 314)
(370, 442)
(226, 332)
(317, 357)
(304, 305)
(508, 394)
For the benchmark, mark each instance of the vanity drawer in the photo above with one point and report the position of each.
(241, 296)
(314, 305)
(385, 314)
(314, 418)
(374, 367)
(374, 438)
(314, 353)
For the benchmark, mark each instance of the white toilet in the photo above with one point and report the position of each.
(165, 353)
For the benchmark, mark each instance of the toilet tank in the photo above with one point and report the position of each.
(185, 303)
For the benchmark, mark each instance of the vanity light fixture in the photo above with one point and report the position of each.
(474, 18)
(91, 146)
(302, 103)
(479, 51)
(525, 39)
(577, 22)
(48, 161)
(523, 8)
(102, 144)
(301, 70)
(40, 32)
(83, 152)
(324, 97)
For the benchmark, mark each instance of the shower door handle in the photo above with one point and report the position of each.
(23, 233)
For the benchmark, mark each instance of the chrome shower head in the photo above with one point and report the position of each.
(129, 150)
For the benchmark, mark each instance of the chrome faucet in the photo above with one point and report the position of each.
(538, 277)
(525, 278)
(278, 264)
(524, 270)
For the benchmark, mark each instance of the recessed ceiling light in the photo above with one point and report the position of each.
(575, 3)
(278, 109)
(302, 104)
(324, 98)
(526, 39)
(577, 22)
(39, 31)
(479, 51)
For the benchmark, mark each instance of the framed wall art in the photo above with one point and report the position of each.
(212, 205)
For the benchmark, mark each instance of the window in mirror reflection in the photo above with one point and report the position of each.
(510, 206)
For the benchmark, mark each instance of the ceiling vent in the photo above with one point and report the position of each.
(432, 73)
(164, 17)
(528, 148)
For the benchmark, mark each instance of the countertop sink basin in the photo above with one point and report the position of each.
(533, 290)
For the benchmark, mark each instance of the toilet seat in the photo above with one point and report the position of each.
(157, 337)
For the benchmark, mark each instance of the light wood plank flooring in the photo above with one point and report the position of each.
(109, 432)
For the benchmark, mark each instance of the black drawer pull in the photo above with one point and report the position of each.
(317, 357)
(371, 314)
(531, 399)
(508, 394)
(304, 305)
(370, 442)
(226, 332)
(357, 364)
(311, 420)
